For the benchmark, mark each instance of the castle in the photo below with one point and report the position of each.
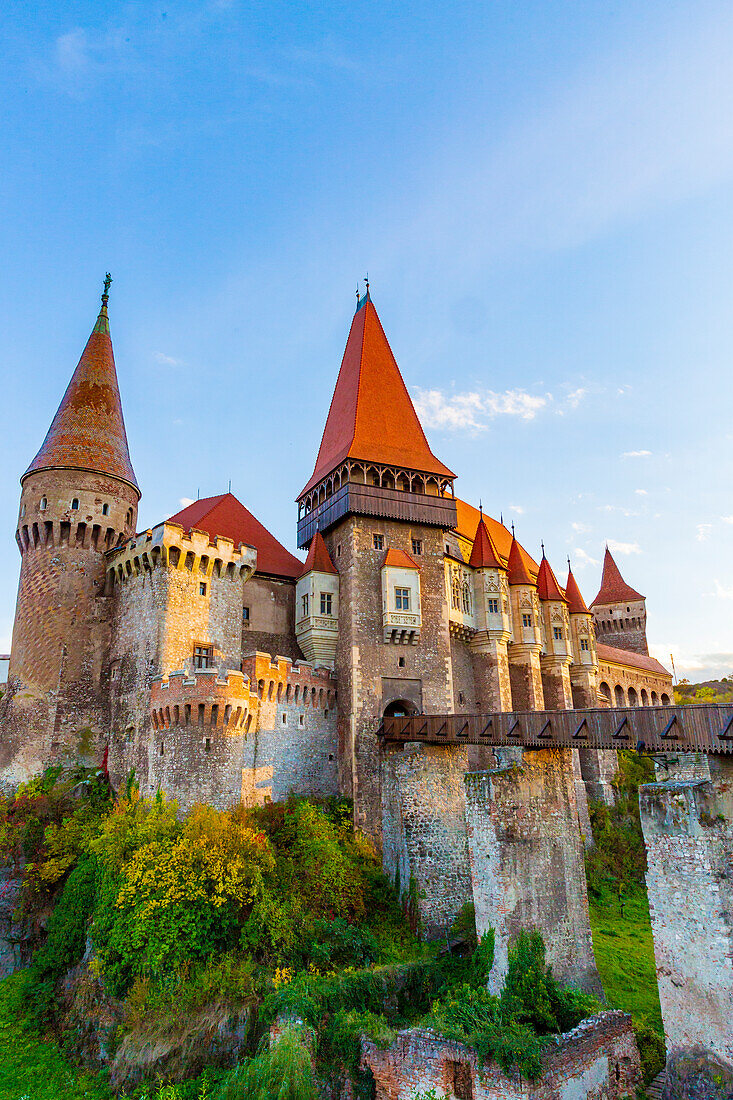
(205, 656)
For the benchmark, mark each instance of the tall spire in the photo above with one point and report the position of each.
(483, 551)
(576, 603)
(88, 430)
(547, 586)
(614, 588)
(517, 571)
(372, 417)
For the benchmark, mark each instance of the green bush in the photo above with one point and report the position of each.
(282, 1071)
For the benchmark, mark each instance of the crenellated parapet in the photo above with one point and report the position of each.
(168, 546)
(208, 698)
(278, 680)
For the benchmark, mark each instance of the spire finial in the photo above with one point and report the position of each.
(542, 544)
(512, 528)
(358, 299)
(366, 280)
(107, 284)
(569, 565)
(481, 509)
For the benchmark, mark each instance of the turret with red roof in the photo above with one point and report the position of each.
(619, 611)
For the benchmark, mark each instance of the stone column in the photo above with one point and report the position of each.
(599, 768)
(556, 687)
(584, 686)
(688, 831)
(527, 866)
(526, 676)
(491, 671)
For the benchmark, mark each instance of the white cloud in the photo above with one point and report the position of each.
(636, 454)
(723, 592)
(582, 558)
(517, 508)
(623, 547)
(185, 501)
(581, 528)
(703, 531)
(168, 360)
(727, 519)
(472, 410)
(641, 492)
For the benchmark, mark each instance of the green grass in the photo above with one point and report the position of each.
(624, 951)
(32, 1068)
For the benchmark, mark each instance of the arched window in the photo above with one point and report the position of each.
(644, 697)
(75, 504)
(605, 693)
(655, 699)
(633, 698)
(456, 592)
(129, 517)
(665, 699)
(467, 597)
(105, 509)
(44, 505)
(619, 693)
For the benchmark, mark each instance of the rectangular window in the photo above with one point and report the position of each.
(402, 599)
(207, 744)
(245, 614)
(305, 605)
(203, 656)
(285, 719)
(584, 645)
(557, 633)
(202, 588)
(417, 546)
(378, 542)
(493, 606)
(526, 620)
(326, 603)
(301, 719)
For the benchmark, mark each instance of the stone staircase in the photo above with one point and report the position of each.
(654, 1090)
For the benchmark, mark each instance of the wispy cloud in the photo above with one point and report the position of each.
(636, 454)
(580, 528)
(727, 519)
(167, 360)
(517, 508)
(642, 492)
(473, 410)
(185, 501)
(723, 591)
(623, 547)
(703, 531)
(582, 558)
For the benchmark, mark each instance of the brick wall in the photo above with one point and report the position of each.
(598, 1060)
(688, 831)
(526, 856)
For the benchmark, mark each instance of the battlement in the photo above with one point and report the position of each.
(208, 698)
(280, 679)
(168, 546)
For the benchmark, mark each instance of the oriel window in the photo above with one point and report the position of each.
(402, 599)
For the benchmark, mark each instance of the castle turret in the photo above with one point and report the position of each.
(584, 669)
(317, 606)
(556, 655)
(79, 499)
(526, 645)
(619, 611)
(489, 643)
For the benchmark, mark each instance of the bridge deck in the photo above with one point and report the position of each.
(698, 728)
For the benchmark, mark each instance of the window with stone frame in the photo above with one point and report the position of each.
(304, 603)
(417, 546)
(402, 599)
(526, 619)
(557, 633)
(584, 645)
(493, 606)
(203, 656)
(378, 541)
(467, 597)
(326, 603)
(456, 592)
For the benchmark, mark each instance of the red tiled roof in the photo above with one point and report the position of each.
(467, 522)
(547, 586)
(517, 572)
(225, 515)
(614, 588)
(576, 603)
(399, 558)
(88, 430)
(371, 417)
(615, 656)
(319, 559)
(483, 551)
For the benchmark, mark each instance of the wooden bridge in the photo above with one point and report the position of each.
(698, 728)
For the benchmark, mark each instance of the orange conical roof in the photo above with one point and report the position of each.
(371, 417)
(614, 588)
(88, 430)
(576, 603)
(319, 559)
(547, 586)
(483, 551)
(517, 572)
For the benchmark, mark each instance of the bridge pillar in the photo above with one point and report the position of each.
(556, 688)
(688, 831)
(525, 676)
(527, 867)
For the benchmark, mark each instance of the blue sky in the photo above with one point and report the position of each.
(540, 192)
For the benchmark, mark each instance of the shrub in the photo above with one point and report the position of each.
(282, 1071)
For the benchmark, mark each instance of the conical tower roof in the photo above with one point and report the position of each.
(517, 572)
(614, 588)
(483, 551)
(372, 417)
(547, 586)
(88, 430)
(319, 559)
(576, 603)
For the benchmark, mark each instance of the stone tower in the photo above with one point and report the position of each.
(78, 499)
(619, 611)
(382, 502)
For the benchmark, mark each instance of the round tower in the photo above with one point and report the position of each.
(79, 498)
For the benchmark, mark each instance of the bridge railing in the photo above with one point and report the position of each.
(704, 728)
